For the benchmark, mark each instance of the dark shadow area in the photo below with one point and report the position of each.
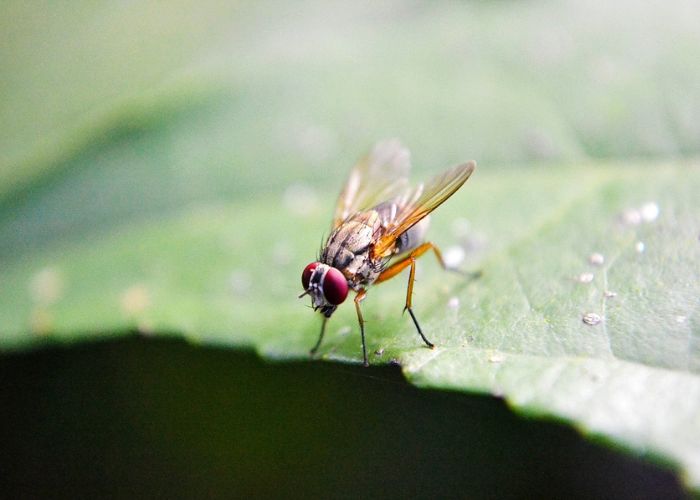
(140, 418)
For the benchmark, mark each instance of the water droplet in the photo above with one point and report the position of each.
(496, 357)
(639, 247)
(454, 256)
(597, 259)
(592, 318)
(585, 278)
(649, 211)
(631, 217)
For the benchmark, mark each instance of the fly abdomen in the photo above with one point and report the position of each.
(413, 237)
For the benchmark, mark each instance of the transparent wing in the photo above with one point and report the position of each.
(381, 175)
(419, 202)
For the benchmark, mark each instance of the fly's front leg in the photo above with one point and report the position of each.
(359, 298)
(320, 337)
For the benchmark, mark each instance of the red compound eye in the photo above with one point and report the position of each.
(306, 275)
(335, 286)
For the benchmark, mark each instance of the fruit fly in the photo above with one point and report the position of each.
(378, 231)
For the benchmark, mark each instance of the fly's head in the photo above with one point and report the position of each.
(326, 285)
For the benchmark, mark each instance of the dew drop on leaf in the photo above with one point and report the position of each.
(454, 256)
(592, 318)
(649, 211)
(496, 357)
(585, 278)
(597, 259)
(632, 217)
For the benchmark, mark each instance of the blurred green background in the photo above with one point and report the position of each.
(149, 152)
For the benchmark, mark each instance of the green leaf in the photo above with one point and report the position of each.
(181, 192)
(229, 274)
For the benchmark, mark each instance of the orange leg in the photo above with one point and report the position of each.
(399, 266)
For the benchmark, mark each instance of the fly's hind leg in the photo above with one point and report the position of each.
(399, 266)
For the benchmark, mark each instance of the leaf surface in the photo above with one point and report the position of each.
(182, 192)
